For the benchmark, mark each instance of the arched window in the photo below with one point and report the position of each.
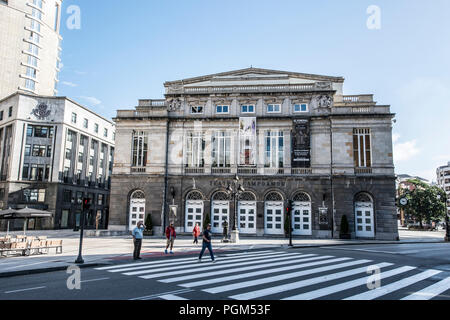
(301, 197)
(138, 194)
(247, 196)
(363, 197)
(221, 196)
(194, 195)
(274, 196)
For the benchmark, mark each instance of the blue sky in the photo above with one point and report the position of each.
(126, 50)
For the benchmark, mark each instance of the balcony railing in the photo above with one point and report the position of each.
(273, 171)
(221, 170)
(138, 170)
(301, 171)
(363, 170)
(247, 171)
(194, 170)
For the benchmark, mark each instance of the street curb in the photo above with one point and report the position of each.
(363, 244)
(46, 270)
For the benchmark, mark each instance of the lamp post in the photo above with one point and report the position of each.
(235, 189)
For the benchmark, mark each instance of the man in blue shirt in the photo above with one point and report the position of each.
(207, 244)
(138, 235)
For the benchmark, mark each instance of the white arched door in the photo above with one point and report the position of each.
(364, 217)
(246, 219)
(301, 215)
(194, 211)
(274, 214)
(137, 209)
(220, 213)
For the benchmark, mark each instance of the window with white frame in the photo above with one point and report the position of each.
(30, 84)
(221, 146)
(362, 148)
(302, 107)
(274, 108)
(247, 109)
(74, 117)
(223, 109)
(274, 149)
(197, 110)
(139, 149)
(195, 148)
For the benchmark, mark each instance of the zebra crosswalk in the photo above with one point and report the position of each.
(289, 275)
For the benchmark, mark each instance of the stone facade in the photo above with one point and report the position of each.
(345, 145)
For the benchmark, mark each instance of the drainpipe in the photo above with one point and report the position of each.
(331, 181)
(166, 178)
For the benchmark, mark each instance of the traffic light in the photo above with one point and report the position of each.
(86, 204)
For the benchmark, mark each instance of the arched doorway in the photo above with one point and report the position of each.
(301, 215)
(247, 213)
(364, 217)
(194, 211)
(220, 211)
(273, 214)
(137, 209)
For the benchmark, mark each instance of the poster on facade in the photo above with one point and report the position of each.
(247, 141)
(301, 144)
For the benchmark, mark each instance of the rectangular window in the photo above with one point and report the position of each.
(85, 123)
(274, 108)
(25, 171)
(32, 61)
(10, 111)
(96, 128)
(274, 149)
(248, 109)
(222, 109)
(31, 72)
(362, 148)
(100, 199)
(49, 151)
(105, 133)
(30, 84)
(300, 108)
(195, 147)
(197, 110)
(74, 117)
(33, 49)
(27, 150)
(139, 149)
(41, 132)
(221, 143)
(35, 25)
(67, 196)
(1, 115)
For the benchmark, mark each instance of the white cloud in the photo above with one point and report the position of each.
(70, 84)
(91, 100)
(404, 151)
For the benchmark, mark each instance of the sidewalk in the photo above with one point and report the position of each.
(109, 250)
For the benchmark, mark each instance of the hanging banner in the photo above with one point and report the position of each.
(301, 144)
(247, 141)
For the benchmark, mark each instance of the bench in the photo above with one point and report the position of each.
(29, 248)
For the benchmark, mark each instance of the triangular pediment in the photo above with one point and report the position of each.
(253, 76)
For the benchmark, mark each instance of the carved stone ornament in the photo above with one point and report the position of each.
(322, 102)
(176, 88)
(323, 86)
(175, 104)
(41, 111)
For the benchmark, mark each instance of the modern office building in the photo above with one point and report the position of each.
(54, 152)
(287, 135)
(30, 46)
(443, 181)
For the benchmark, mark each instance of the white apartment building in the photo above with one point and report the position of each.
(443, 181)
(53, 153)
(30, 46)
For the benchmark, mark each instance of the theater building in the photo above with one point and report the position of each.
(286, 135)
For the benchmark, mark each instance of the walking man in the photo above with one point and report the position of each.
(170, 235)
(138, 235)
(207, 244)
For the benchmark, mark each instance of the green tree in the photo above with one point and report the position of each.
(426, 203)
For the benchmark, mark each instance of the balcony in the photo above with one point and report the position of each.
(194, 170)
(363, 171)
(247, 171)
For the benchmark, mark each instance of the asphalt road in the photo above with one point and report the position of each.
(363, 272)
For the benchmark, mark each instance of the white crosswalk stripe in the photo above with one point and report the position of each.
(431, 291)
(259, 273)
(194, 268)
(384, 290)
(305, 283)
(347, 285)
(286, 275)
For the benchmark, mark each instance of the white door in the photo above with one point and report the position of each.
(301, 219)
(194, 214)
(137, 212)
(274, 218)
(247, 217)
(364, 221)
(220, 212)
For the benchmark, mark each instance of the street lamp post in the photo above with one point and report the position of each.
(235, 189)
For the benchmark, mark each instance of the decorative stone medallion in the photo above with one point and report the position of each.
(42, 111)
